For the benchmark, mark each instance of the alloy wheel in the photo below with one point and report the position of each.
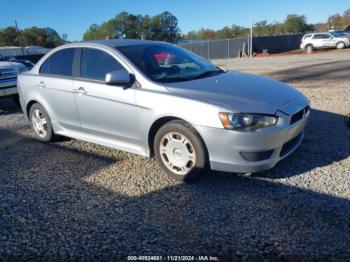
(39, 123)
(340, 45)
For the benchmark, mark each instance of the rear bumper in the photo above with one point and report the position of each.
(225, 147)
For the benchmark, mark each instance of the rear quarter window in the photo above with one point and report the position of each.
(59, 63)
(306, 37)
(45, 67)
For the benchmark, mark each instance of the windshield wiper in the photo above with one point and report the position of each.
(208, 73)
(173, 79)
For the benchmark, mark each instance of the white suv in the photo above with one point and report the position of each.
(8, 78)
(324, 40)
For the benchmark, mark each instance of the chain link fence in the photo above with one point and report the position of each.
(234, 47)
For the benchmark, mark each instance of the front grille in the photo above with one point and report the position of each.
(290, 145)
(298, 116)
(256, 156)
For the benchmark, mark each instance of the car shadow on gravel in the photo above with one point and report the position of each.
(326, 141)
(48, 208)
(7, 106)
(231, 216)
(338, 70)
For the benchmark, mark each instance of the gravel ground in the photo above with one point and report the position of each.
(74, 200)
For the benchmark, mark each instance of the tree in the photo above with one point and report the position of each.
(33, 36)
(277, 28)
(262, 28)
(52, 38)
(124, 25)
(321, 27)
(335, 22)
(46, 37)
(167, 28)
(339, 22)
(91, 33)
(296, 24)
(9, 37)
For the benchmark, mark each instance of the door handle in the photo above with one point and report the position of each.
(42, 84)
(80, 90)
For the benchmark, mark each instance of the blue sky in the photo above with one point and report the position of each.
(74, 17)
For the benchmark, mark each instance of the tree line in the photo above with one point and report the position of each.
(46, 37)
(165, 27)
(293, 24)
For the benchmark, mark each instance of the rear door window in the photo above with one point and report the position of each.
(95, 64)
(321, 36)
(326, 36)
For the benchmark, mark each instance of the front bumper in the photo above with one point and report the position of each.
(225, 147)
(8, 88)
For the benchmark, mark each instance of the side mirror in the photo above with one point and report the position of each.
(118, 77)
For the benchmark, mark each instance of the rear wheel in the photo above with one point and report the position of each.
(180, 151)
(41, 123)
(341, 45)
(309, 48)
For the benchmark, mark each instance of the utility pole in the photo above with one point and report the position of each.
(251, 40)
(19, 37)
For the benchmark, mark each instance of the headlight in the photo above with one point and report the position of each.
(246, 121)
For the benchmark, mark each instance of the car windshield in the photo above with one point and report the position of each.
(337, 34)
(165, 63)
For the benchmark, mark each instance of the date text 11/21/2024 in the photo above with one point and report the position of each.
(172, 258)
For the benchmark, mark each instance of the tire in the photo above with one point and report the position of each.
(42, 129)
(180, 151)
(309, 48)
(341, 45)
(15, 100)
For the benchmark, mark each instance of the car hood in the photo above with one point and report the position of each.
(10, 65)
(239, 92)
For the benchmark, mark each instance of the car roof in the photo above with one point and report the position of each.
(119, 42)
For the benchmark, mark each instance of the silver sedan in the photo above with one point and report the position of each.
(156, 99)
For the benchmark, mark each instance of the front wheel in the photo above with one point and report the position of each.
(180, 151)
(341, 45)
